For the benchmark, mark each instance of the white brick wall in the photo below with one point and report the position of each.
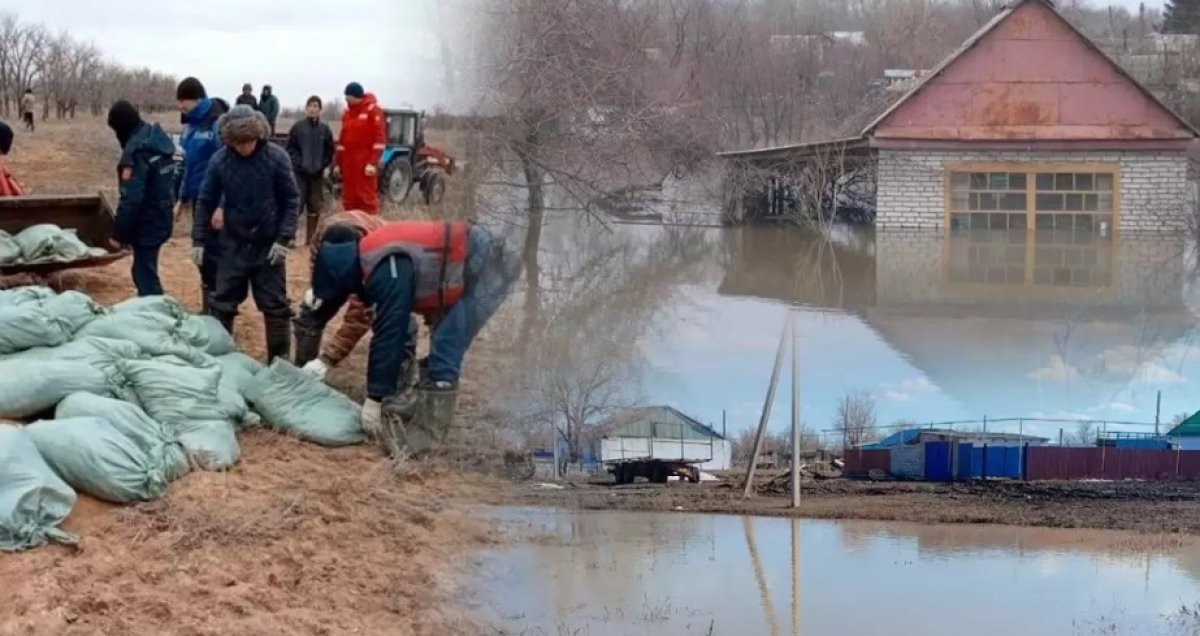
(912, 194)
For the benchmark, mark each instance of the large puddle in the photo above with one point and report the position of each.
(616, 573)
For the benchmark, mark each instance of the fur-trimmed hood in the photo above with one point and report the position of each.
(243, 123)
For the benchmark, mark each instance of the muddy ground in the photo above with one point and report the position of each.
(297, 539)
(1149, 507)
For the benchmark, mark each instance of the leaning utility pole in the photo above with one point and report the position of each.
(795, 412)
(770, 400)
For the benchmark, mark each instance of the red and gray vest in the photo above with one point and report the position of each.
(438, 251)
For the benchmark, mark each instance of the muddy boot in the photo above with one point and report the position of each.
(308, 342)
(394, 437)
(434, 416)
(279, 338)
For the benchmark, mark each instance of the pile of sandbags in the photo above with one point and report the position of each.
(47, 243)
(131, 398)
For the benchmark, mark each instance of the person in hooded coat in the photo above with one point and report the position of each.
(268, 104)
(361, 141)
(200, 141)
(145, 174)
(251, 178)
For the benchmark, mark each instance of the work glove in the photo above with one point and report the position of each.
(372, 418)
(277, 255)
(371, 170)
(198, 256)
(316, 368)
(310, 302)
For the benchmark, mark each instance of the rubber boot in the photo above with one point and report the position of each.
(433, 419)
(394, 437)
(279, 338)
(308, 342)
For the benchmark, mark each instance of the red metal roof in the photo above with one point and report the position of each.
(1029, 75)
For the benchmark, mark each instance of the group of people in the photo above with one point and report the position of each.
(267, 103)
(245, 195)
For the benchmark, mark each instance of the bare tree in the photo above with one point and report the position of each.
(1084, 434)
(855, 418)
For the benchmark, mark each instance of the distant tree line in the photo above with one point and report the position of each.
(68, 75)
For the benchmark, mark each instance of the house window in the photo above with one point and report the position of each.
(1058, 198)
(1073, 201)
(988, 200)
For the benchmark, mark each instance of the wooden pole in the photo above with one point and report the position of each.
(767, 403)
(795, 411)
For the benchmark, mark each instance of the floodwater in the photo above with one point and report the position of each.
(1046, 326)
(602, 573)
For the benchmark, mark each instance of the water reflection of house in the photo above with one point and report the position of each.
(1029, 124)
(1000, 321)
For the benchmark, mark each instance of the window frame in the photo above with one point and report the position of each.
(1031, 171)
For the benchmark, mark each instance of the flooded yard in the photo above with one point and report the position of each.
(601, 573)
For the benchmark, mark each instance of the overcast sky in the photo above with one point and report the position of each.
(300, 47)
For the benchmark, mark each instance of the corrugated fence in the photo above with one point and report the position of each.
(941, 463)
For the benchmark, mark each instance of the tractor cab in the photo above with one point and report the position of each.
(406, 159)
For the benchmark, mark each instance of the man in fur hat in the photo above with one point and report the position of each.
(257, 224)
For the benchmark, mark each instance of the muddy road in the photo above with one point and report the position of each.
(1148, 507)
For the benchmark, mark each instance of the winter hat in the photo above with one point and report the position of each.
(246, 88)
(335, 271)
(243, 123)
(354, 89)
(123, 118)
(190, 88)
(314, 99)
(266, 89)
(6, 138)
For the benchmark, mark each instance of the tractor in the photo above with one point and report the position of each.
(408, 160)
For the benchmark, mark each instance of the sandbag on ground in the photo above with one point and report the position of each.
(237, 373)
(297, 403)
(156, 334)
(76, 308)
(102, 353)
(187, 399)
(23, 295)
(157, 440)
(30, 325)
(33, 500)
(95, 458)
(212, 337)
(29, 387)
(164, 305)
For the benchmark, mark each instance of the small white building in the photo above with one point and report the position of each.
(662, 432)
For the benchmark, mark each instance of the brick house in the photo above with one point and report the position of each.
(1028, 125)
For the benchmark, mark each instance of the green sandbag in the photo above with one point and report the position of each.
(155, 439)
(76, 308)
(186, 399)
(156, 334)
(102, 353)
(210, 444)
(237, 373)
(29, 387)
(164, 305)
(95, 458)
(29, 325)
(46, 242)
(214, 340)
(297, 403)
(10, 251)
(24, 295)
(33, 500)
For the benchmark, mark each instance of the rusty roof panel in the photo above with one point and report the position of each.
(1029, 75)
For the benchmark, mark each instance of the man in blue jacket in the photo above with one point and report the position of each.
(200, 142)
(145, 175)
(251, 179)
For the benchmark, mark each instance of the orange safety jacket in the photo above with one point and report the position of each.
(438, 251)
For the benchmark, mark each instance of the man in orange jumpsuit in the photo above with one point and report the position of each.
(360, 143)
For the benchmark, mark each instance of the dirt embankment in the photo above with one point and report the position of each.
(1137, 506)
(296, 539)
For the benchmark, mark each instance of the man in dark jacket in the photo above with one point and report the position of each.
(455, 274)
(247, 97)
(253, 178)
(269, 105)
(200, 142)
(145, 175)
(310, 145)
